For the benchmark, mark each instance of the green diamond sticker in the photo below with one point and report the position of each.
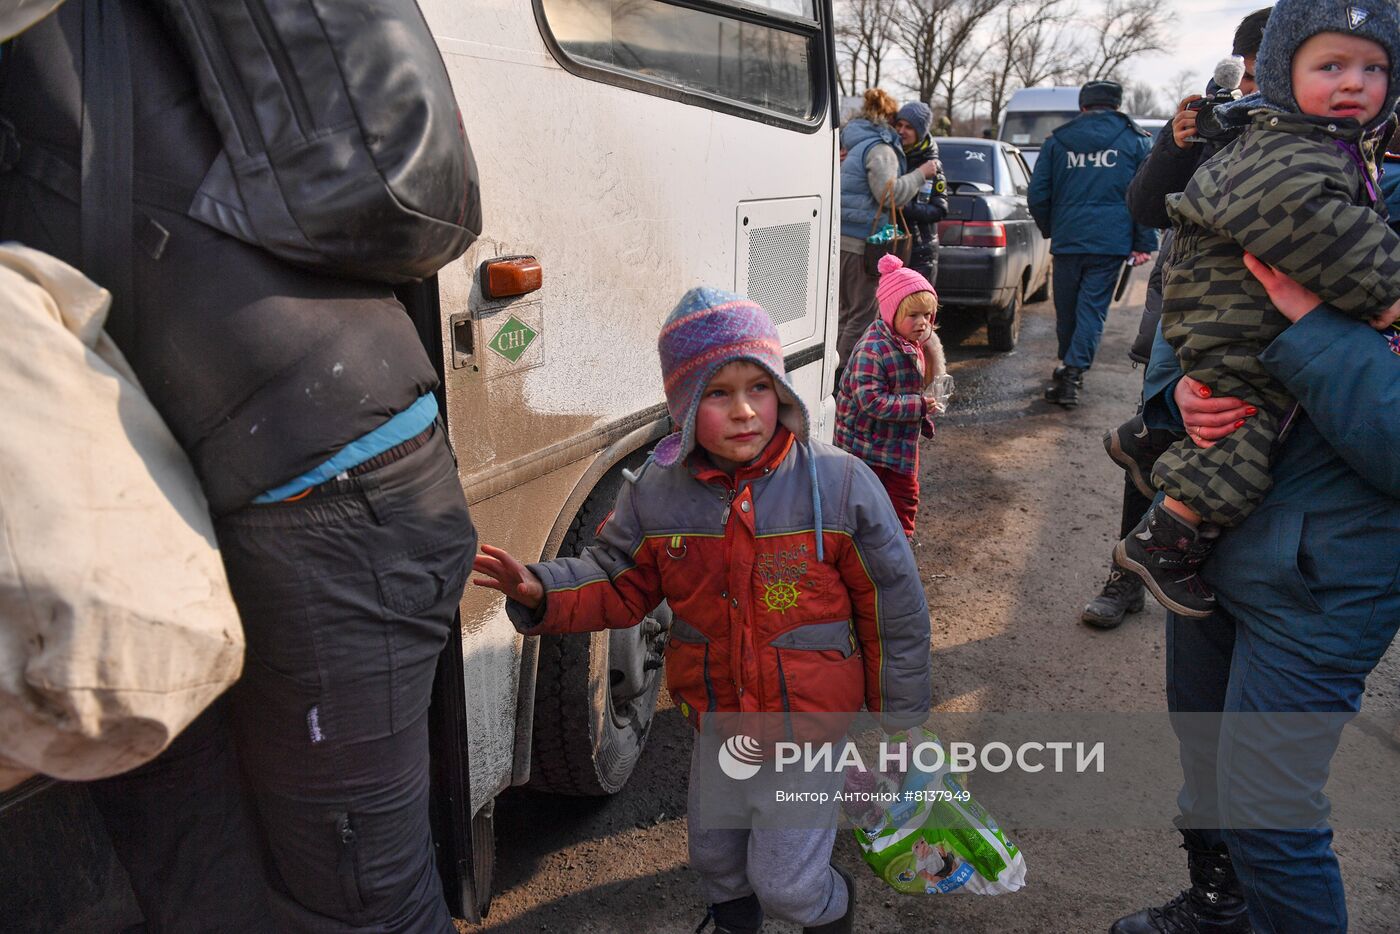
(512, 340)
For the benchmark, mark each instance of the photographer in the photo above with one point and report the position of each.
(1176, 155)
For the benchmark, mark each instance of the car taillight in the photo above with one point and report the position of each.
(983, 233)
(950, 233)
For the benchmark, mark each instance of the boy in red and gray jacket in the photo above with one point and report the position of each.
(793, 590)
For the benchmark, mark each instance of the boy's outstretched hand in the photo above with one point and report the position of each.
(507, 575)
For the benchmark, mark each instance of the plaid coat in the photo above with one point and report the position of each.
(880, 407)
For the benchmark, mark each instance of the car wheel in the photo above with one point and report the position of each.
(595, 693)
(1004, 324)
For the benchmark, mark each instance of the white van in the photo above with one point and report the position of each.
(1033, 114)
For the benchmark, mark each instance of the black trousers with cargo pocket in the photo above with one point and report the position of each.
(347, 597)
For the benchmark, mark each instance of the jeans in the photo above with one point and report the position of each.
(1290, 876)
(347, 598)
(1084, 284)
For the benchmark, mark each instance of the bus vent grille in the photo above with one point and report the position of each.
(777, 261)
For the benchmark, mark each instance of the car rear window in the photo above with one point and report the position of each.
(967, 162)
(1029, 128)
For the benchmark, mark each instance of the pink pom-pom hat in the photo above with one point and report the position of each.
(897, 283)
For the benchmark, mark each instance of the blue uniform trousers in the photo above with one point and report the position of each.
(1084, 285)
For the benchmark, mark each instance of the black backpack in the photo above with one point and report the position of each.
(343, 146)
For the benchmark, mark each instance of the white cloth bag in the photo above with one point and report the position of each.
(116, 623)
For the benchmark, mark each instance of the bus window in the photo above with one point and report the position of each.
(803, 8)
(719, 56)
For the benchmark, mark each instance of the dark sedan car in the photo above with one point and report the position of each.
(992, 258)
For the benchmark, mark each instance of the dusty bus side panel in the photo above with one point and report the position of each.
(590, 179)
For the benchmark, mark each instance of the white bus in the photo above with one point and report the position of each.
(628, 150)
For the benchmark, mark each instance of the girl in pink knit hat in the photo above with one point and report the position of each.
(881, 409)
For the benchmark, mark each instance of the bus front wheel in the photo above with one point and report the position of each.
(595, 693)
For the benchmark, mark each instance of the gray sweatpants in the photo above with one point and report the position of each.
(743, 839)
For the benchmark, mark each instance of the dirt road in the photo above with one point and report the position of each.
(1020, 508)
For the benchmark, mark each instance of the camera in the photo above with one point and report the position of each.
(1222, 88)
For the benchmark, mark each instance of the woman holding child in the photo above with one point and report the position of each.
(1305, 583)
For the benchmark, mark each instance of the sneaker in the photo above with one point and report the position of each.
(1135, 447)
(1120, 596)
(1064, 390)
(1165, 554)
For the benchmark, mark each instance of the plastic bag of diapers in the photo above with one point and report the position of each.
(924, 834)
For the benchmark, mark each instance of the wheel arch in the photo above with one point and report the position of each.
(607, 462)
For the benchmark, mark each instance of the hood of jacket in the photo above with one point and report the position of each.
(860, 129)
(1095, 130)
(1254, 109)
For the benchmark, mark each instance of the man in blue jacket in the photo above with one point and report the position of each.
(1077, 198)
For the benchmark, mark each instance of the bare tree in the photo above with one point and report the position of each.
(1046, 50)
(1129, 28)
(1141, 101)
(939, 38)
(1182, 84)
(864, 39)
(1027, 45)
(966, 61)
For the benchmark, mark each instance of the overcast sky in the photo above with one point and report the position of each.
(1200, 33)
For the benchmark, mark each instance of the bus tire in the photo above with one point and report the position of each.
(594, 695)
(483, 832)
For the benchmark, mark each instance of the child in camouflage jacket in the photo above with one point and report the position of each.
(1298, 190)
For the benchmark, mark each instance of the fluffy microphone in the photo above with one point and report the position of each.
(1229, 73)
(1223, 88)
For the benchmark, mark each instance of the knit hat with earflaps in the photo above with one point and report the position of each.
(708, 329)
(1294, 22)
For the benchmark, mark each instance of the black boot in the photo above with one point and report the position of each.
(1165, 553)
(1065, 384)
(1120, 596)
(845, 924)
(736, 916)
(1135, 447)
(1213, 904)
